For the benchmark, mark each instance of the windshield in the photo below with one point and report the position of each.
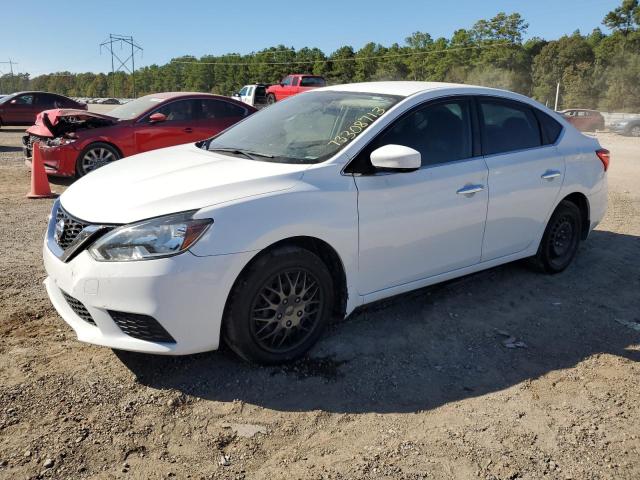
(6, 98)
(134, 108)
(306, 128)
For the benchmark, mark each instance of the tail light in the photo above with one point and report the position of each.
(605, 157)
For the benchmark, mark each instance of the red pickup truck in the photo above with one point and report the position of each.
(292, 85)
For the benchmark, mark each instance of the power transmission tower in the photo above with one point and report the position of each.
(11, 64)
(128, 64)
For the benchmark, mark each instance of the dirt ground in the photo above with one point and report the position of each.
(419, 387)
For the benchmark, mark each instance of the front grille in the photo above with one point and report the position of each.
(78, 308)
(70, 230)
(142, 327)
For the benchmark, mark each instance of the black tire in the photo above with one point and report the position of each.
(271, 99)
(104, 154)
(634, 131)
(561, 239)
(264, 310)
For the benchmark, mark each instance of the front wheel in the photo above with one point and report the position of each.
(279, 306)
(561, 238)
(635, 131)
(94, 156)
(271, 99)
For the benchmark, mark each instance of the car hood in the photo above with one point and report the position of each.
(55, 122)
(170, 180)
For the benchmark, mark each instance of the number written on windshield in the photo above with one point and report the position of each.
(357, 127)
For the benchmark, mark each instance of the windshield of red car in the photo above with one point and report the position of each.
(134, 108)
(306, 128)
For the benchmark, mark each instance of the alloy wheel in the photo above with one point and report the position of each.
(96, 158)
(286, 310)
(635, 131)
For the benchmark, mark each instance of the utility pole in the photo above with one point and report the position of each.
(11, 64)
(557, 96)
(128, 64)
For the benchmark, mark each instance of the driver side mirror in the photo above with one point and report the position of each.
(396, 158)
(157, 117)
(236, 95)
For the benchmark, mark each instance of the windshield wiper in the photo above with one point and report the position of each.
(238, 151)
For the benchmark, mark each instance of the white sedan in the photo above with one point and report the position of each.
(313, 207)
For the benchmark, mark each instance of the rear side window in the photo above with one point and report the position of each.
(508, 126)
(440, 132)
(550, 128)
(312, 82)
(221, 109)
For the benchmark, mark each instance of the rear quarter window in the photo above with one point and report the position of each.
(551, 128)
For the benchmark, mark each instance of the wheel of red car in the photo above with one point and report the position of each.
(95, 156)
(271, 99)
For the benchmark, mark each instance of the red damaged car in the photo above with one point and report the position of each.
(75, 142)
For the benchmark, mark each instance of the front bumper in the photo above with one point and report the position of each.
(185, 294)
(58, 161)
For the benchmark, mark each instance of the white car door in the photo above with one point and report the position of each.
(525, 175)
(413, 225)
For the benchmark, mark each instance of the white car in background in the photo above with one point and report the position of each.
(254, 95)
(324, 202)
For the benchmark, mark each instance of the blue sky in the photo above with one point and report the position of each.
(57, 36)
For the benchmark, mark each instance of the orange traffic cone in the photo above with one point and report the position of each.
(39, 181)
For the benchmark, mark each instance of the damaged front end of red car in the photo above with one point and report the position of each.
(57, 127)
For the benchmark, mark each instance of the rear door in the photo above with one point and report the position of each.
(525, 175)
(419, 224)
(179, 126)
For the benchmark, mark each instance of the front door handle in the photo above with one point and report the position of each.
(550, 175)
(188, 129)
(470, 190)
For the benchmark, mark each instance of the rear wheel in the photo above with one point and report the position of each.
(561, 238)
(279, 307)
(94, 156)
(271, 99)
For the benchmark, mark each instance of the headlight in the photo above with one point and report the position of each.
(154, 238)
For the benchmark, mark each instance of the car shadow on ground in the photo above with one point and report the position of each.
(12, 129)
(6, 149)
(440, 344)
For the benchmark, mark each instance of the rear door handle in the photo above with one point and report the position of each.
(550, 175)
(188, 129)
(470, 190)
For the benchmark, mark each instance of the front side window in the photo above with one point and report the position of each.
(179, 111)
(24, 100)
(440, 132)
(243, 92)
(307, 128)
(295, 81)
(508, 126)
(286, 82)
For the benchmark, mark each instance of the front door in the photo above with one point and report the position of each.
(525, 176)
(427, 222)
(179, 126)
(21, 110)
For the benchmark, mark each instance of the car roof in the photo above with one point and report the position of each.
(578, 110)
(166, 95)
(27, 92)
(405, 88)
